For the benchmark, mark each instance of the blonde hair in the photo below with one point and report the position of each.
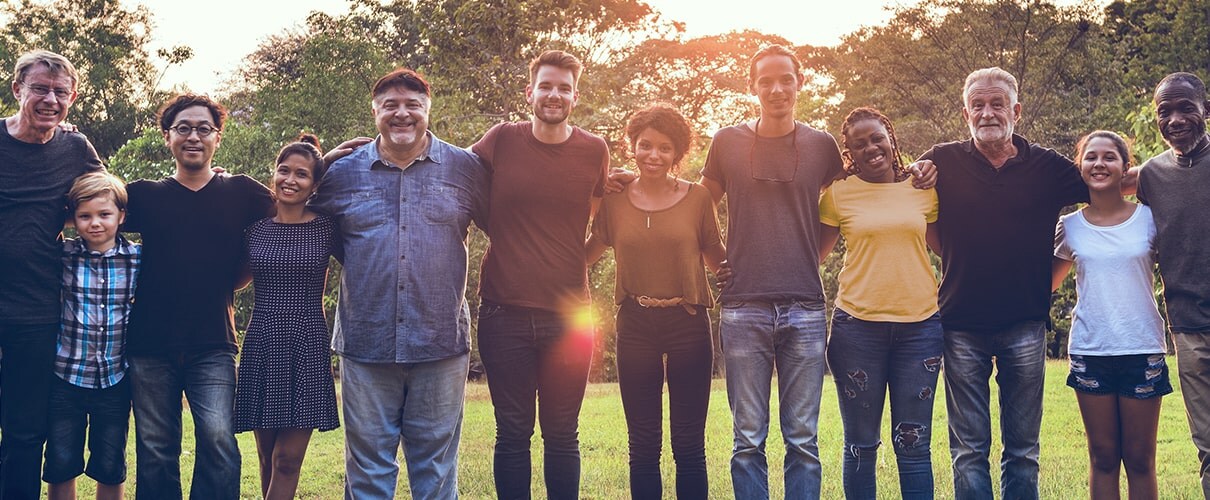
(55, 62)
(94, 185)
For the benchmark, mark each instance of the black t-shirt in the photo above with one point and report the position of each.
(34, 180)
(193, 250)
(997, 229)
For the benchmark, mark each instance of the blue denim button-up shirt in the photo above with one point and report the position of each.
(403, 232)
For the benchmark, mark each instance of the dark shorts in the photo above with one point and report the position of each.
(105, 414)
(1138, 376)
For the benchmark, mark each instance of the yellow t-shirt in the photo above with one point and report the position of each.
(886, 274)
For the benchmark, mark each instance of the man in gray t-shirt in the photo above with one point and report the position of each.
(1176, 185)
(772, 170)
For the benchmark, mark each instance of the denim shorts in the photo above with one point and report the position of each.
(1137, 376)
(104, 414)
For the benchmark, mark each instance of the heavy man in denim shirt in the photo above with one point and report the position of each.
(403, 204)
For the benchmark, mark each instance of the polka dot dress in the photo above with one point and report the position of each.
(285, 369)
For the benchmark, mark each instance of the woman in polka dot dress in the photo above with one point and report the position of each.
(285, 388)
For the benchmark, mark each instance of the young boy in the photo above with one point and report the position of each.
(100, 269)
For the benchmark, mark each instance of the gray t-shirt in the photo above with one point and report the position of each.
(773, 187)
(34, 180)
(1179, 197)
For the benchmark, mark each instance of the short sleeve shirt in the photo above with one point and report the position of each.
(773, 187)
(887, 275)
(34, 180)
(1115, 313)
(997, 232)
(193, 254)
(541, 200)
(659, 252)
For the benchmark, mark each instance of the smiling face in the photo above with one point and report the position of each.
(42, 113)
(869, 145)
(97, 220)
(192, 151)
(991, 112)
(654, 153)
(776, 83)
(402, 116)
(294, 180)
(1181, 114)
(1102, 164)
(552, 94)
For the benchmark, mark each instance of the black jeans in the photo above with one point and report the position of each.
(25, 375)
(645, 336)
(532, 353)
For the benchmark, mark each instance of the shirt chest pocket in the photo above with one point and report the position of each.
(441, 204)
(367, 209)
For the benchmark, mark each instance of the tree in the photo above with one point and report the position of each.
(706, 78)
(107, 44)
(1158, 37)
(316, 80)
(913, 68)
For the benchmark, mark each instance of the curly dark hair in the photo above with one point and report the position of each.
(666, 120)
(869, 113)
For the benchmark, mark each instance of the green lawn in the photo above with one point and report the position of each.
(603, 446)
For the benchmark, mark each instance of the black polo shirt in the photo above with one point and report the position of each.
(997, 229)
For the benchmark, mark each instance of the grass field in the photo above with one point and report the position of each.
(604, 453)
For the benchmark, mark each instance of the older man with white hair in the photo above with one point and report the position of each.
(999, 198)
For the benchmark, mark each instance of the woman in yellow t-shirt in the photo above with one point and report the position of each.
(886, 332)
(662, 229)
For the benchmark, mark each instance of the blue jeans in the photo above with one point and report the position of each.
(645, 337)
(29, 356)
(532, 353)
(1019, 356)
(417, 404)
(867, 357)
(758, 337)
(208, 381)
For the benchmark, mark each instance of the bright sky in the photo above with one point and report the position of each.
(222, 32)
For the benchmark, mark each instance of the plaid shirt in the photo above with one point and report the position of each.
(98, 291)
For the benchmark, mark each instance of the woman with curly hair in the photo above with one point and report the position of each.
(886, 331)
(662, 228)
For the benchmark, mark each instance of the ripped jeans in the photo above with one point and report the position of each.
(867, 357)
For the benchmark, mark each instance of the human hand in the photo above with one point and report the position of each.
(617, 180)
(924, 174)
(345, 148)
(68, 127)
(723, 274)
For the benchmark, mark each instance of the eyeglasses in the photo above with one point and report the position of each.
(203, 130)
(43, 91)
(774, 171)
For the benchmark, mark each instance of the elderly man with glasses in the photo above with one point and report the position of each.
(38, 162)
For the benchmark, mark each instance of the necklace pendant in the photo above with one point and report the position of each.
(648, 221)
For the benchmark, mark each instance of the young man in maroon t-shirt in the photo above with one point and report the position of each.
(534, 336)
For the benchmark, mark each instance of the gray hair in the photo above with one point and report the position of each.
(55, 62)
(993, 74)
